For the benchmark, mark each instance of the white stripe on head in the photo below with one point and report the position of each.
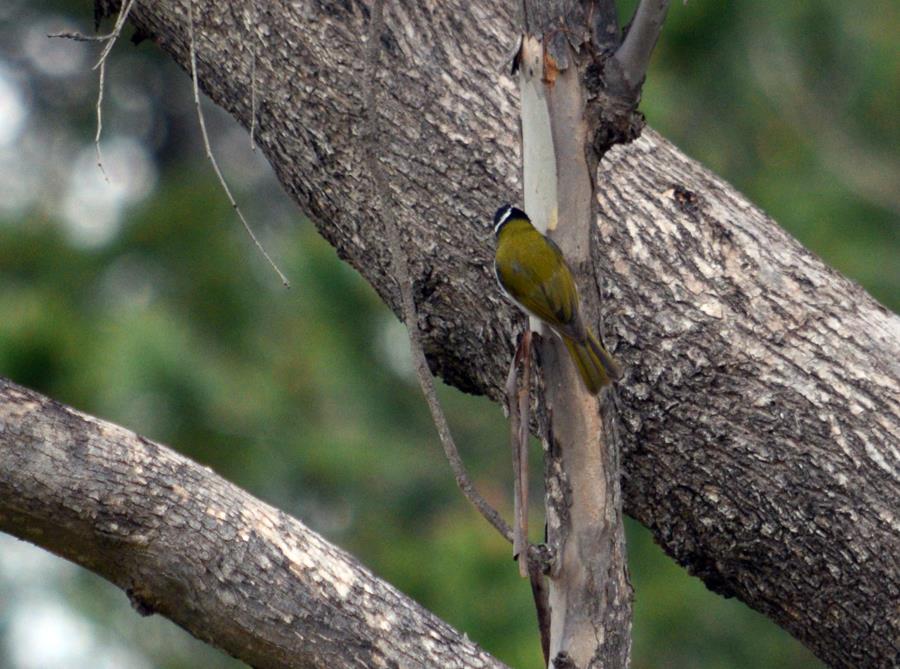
(503, 218)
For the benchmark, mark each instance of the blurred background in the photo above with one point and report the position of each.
(141, 300)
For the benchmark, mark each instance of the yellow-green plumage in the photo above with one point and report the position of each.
(594, 363)
(532, 270)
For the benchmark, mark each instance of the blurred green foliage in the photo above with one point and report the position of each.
(176, 329)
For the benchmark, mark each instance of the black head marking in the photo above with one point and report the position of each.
(506, 213)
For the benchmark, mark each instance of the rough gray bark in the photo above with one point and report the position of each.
(760, 414)
(185, 543)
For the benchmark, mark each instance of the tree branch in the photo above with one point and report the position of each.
(182, 542)
(760, 414)
(634, 53)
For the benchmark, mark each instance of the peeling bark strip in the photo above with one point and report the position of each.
(185, 543)
(761, 410)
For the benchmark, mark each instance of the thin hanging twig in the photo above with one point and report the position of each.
(212, 158)
(100, 121)
(400, 269)
(101, 64)
(524, 399)
(114, 35)
(518, 401)
(519, 535)
(110, 40)
(532, 559)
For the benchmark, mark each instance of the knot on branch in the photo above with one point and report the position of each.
(563, 661)
(139, 601)
(542, 556)
(686, 200)
(617, 129)
(612, 106)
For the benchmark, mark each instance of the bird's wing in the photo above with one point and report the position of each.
(551, 294)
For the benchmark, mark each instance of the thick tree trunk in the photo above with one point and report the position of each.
(759, 418)
(185, 543)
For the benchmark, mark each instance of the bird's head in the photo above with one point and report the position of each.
(505, 214)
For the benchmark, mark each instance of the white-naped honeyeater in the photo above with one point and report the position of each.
(533, 273)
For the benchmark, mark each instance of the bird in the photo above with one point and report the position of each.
(533, 273)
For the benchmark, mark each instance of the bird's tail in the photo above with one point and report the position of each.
(594, 363)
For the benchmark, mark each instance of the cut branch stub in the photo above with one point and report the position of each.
(612, 69)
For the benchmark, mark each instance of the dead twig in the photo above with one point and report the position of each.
(524, 399)
(101, 65)
(111, 37)
(381, 202)
(519, 536)
(102, 78)
(518, 401)
(110, 40)
(114, 35)
(532, 559)
(79, 37)
(212, 158)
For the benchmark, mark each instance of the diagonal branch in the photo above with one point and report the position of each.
(187, 544)
(761, 412)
